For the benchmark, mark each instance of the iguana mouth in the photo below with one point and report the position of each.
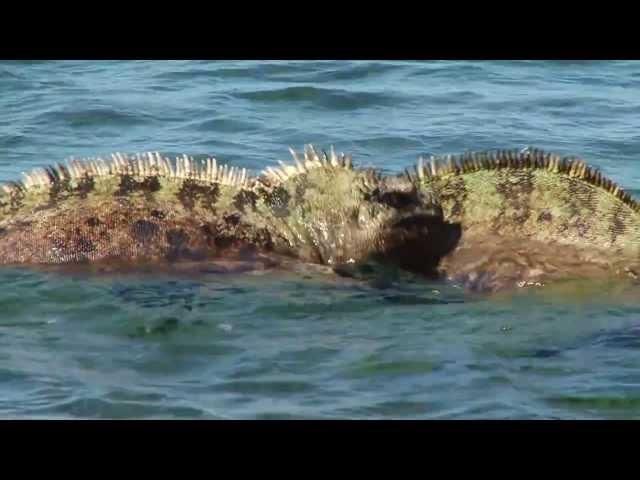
(411, 229)
(419, 239)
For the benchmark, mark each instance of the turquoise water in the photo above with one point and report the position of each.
(307, 344)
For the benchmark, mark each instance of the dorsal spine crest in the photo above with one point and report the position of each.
(527, 159)
(311, 159)
(145, 165)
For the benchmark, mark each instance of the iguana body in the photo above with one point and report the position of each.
(529, 217)
(487, 220)
(145, 209)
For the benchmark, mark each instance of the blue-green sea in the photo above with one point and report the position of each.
(304, 343)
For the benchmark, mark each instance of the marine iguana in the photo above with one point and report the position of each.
(489, 220)
(528, 217)
(147, 209)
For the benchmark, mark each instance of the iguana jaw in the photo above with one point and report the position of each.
(417, 242)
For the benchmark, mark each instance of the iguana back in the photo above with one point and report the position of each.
(146, 208)
(530, 216)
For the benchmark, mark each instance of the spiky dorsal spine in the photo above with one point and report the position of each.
(310, 160)
(144, 165)
(527, 159)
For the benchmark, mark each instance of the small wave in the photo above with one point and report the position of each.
(274, 387)
(127, 395)
(91, 117)
(619, 338)
(255, 71)
(563, 102)
(159, 295)
(453, 98)
(7, 376)
(92, 408)
(449, 69)
(7, 74)
(599, 402)
(389, 143)
(389, 409)
(13, 141)
(225, 125)
(246, 70)
(332, 99)
(400, 368)
(399, 299)
(185, 75)
(348, 71)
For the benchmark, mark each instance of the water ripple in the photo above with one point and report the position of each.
(330, 99)
(94, 117)
(364, 343)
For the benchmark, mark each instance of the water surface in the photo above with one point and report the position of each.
(307, 344)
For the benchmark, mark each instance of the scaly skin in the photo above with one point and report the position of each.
(146, 210)
(487, 220)
(530, 217)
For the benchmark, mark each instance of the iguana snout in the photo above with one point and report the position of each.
(418, 235)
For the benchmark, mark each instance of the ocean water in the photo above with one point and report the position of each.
(308, 344)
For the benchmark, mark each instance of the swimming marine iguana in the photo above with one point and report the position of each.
(530, 216)
(488, 220)
(147, 209)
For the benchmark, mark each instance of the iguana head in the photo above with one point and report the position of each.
(331, 213)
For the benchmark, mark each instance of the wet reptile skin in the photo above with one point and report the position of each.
(488, 220)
